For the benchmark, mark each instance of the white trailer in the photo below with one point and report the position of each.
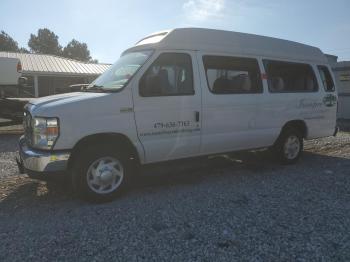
(10, 78)
(10, 71)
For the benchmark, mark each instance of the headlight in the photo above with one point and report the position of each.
(45, 132)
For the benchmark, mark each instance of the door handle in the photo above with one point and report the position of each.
(197, 116)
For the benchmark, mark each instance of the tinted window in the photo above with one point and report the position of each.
(326, 78)
(170, 75)
(232, 75)
(290, 77)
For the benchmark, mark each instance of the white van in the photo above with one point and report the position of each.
(177, 94)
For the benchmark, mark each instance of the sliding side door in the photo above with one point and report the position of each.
(231, 90)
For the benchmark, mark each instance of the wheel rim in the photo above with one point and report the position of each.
(292, 147)
(105, 175)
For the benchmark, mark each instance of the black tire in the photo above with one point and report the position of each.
(84, 162)
(284, 155)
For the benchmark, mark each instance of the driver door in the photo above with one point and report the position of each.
(167, 106)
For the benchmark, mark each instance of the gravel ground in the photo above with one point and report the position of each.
(243, 207)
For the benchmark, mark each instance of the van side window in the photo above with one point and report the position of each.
(326, 78)
(169, 75)
(232, 75)
(287, 77)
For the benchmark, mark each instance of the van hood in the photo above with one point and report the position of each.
(48, 104)
(64, 98)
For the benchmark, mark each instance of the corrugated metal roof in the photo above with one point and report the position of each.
(54, 65)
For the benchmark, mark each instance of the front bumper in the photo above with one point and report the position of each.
(39, 161)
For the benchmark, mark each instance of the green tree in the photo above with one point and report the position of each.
(7, 43)
(45, 42)
(24, 50)
(77, 50)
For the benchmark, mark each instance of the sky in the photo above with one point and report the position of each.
(109, 27)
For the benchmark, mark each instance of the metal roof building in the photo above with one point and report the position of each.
(49, 74)
(341, 71)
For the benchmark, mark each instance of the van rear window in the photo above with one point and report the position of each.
(286, 77)
(232, 75)
(326, 78)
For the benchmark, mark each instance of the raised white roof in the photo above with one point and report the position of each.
(54, 65)
(230, 42)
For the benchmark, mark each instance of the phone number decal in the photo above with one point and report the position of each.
(172, 124)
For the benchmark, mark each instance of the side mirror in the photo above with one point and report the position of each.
(22, 81)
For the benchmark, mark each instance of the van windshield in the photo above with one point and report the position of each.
(119, 74)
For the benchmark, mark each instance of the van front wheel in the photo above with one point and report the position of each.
(289, 146)
(100, 174)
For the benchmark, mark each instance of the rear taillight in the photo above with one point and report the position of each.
(19, 67)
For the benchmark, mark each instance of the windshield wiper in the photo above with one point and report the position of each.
(94, 88)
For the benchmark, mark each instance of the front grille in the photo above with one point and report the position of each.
(27, 126)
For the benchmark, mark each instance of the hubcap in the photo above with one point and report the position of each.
(105, 175)
(292, 147)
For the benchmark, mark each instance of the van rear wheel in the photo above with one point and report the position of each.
(289, 146)
(100, 174)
